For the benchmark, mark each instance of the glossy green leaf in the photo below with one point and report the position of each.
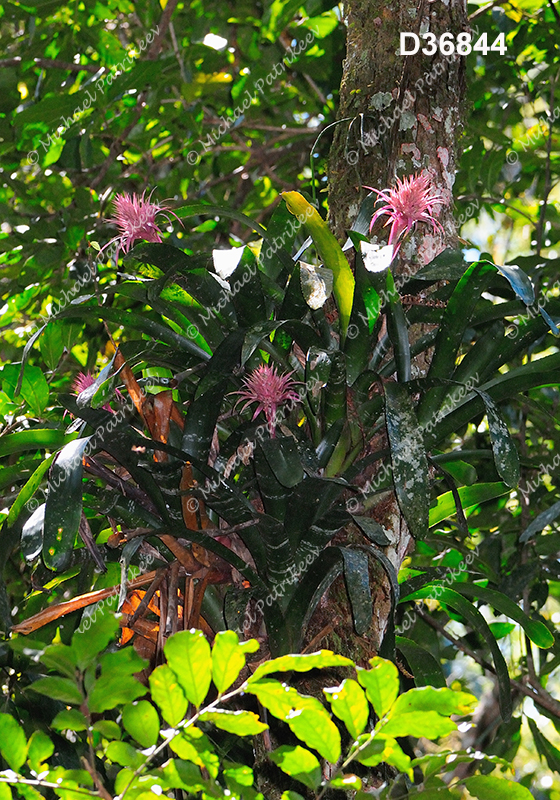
(193, 745)
(64, 504)
(63, 689)
(383, 749)
(408, 457)
(117, 684)
(330, 253)
(470, 497)
(540, 522)
(28, 490)
(13, 744)
(284, 461)
(298, 763)
(168, 695)
(108, 728)
(34, 388)
(346, 782)
(487, 787)
(69, 720)
(124, 754)
(456, 601)
(39, 749)
(503, 446)
(33, 439)
(356, 576)
(242, 723)
(501, 629)
(397, 330)
(141, 721)
(349, 704)
(188, 655)
(419, 723)
(425, 668)
(300, 663)
(381, 683)
(88, 642)
(228, 658)
(443, 701)
(536, 630)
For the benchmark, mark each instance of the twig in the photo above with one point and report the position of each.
(547, 702)
(56, 63)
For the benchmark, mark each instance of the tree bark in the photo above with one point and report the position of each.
(404, 115)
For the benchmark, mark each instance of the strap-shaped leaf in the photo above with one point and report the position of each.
(473, 616)
(470, 496)
(330, 253)
(335, 391)
(536, 630)
(545, 748)
(64, 504)
(503, 446)
(408, 456)
(426, 669)
(29, 489)
(455, 319)
(283, 459)
(540, 522)
(398, 330)
(356, 576)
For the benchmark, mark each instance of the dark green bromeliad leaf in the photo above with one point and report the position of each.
(64, 504)
(408, 457)
(540, 522)
(503, 446)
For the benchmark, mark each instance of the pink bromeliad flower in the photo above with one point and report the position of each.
(85, 379)
(410, 201)
(135, 217)
(269, 389)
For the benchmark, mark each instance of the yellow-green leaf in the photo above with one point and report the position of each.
(330, 253)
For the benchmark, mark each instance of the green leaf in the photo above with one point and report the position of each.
(51, 344)
(228, 658)
(382, 749)
(242, 723)
(107, 728)
(306, 717)
(13, 744)
(356, 576)
(425, 668)
(470, 497)
(540, 522)
(69, 720)
(381, 683)
(193, 745)
(487, 787)
(168, 694)
(284, 461)
(347, 782)
(117, 684)
(330, 253)
(408, 458)
(28, 490)
(64, 504)
(188, 655)
(34, 387)
(88, 644)
(300, 663)
(397, 330)
(39, 749)
(141, 721)
(63, 689)
(349, 704)
(418, 723)
(536, 630)
(298, 763)
(456, 601)
(503, 446)
(545, 748)
(443, 701)
(124, 754)
(33, 439)
(501, 629)
(6, 792)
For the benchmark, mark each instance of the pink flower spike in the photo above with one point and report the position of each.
(269, 389)
(84, 380)
(135, 217)
(412, 200)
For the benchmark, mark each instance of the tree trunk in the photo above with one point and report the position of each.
(405, 116)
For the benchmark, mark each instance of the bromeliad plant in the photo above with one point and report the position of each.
(197, 730)
(244, 523)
